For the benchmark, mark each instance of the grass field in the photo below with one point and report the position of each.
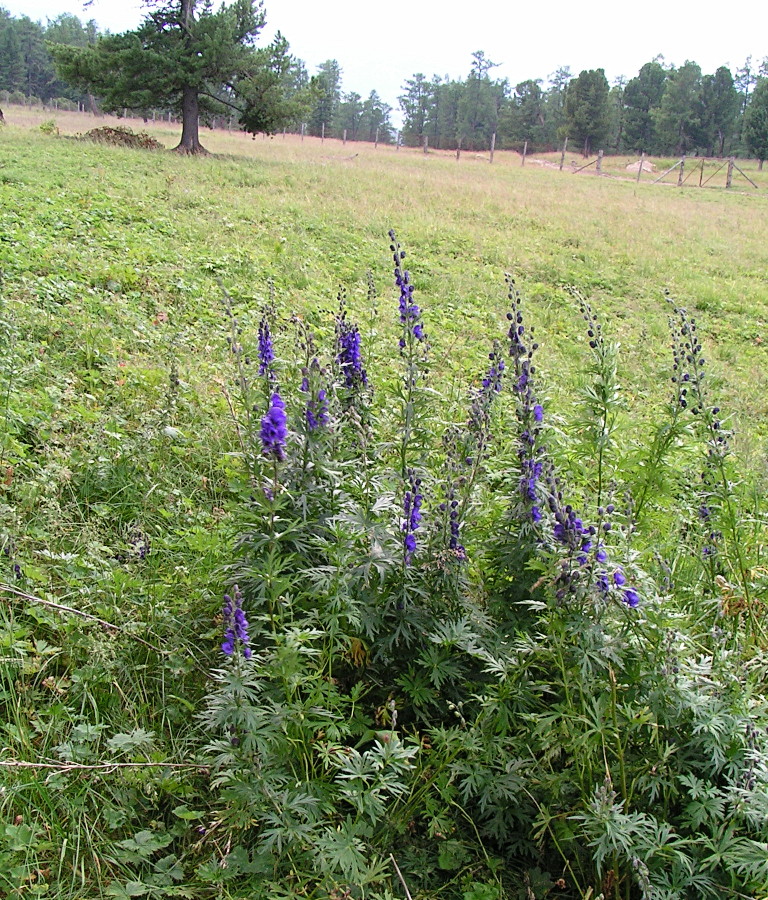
(118, 437)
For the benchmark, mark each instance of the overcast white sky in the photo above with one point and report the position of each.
(381, 43)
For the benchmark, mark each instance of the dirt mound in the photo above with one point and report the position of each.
(123, 137)
(647, 166)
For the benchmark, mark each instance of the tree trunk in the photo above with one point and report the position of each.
(190, 135)
(190, 110)
(760, 165)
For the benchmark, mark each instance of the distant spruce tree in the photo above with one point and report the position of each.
(524, 117)
(478, 106)
(642, 95)
(756, 122)
(679, 117)
(327, 98)
(587, 109)
(720, 106)
(416, 102)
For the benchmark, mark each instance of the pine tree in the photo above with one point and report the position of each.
(720, 105)
(756, 122)
(184, 57)
(416, 103)
(678, 119)
(642, 96)
(478, 107)
(587, 108)
(327, 98)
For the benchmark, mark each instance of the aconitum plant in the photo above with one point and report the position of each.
(582, 567)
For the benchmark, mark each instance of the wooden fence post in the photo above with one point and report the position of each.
(322, 133)
(493, 144)
(729, 176)
(640, 170)
(344, 139)
(426, 143)
(303, 129)
(458, 150)
(562, 155)
(599, 162)
(376, 142)
(525, 151)
(682, 169)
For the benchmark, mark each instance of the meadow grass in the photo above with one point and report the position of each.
(117, 385)
(299, 212)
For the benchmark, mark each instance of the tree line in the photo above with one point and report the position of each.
(27, 71)
(663, 110)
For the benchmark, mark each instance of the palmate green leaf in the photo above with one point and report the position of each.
(135, 740)
(167, 870)
(143, 845)
(122, 890)
(343, 850)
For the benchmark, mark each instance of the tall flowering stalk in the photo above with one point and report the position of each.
(266, 348)
(349, 356)
(411, 516)
(716, 496)
(466, 449)
(236, 638)
(412, 345)
(677, 420)
(585, 565)
(600, 398)
(530, 412)
(265, 436)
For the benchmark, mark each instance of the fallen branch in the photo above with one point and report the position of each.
(75, 767)
(77, 612)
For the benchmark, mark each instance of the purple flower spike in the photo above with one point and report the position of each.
(266, 351)
(411, 515)
(274, 432)
(349, 353)
(410, 313)
(236, 633)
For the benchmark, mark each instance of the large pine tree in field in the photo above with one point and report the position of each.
(184, 57)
